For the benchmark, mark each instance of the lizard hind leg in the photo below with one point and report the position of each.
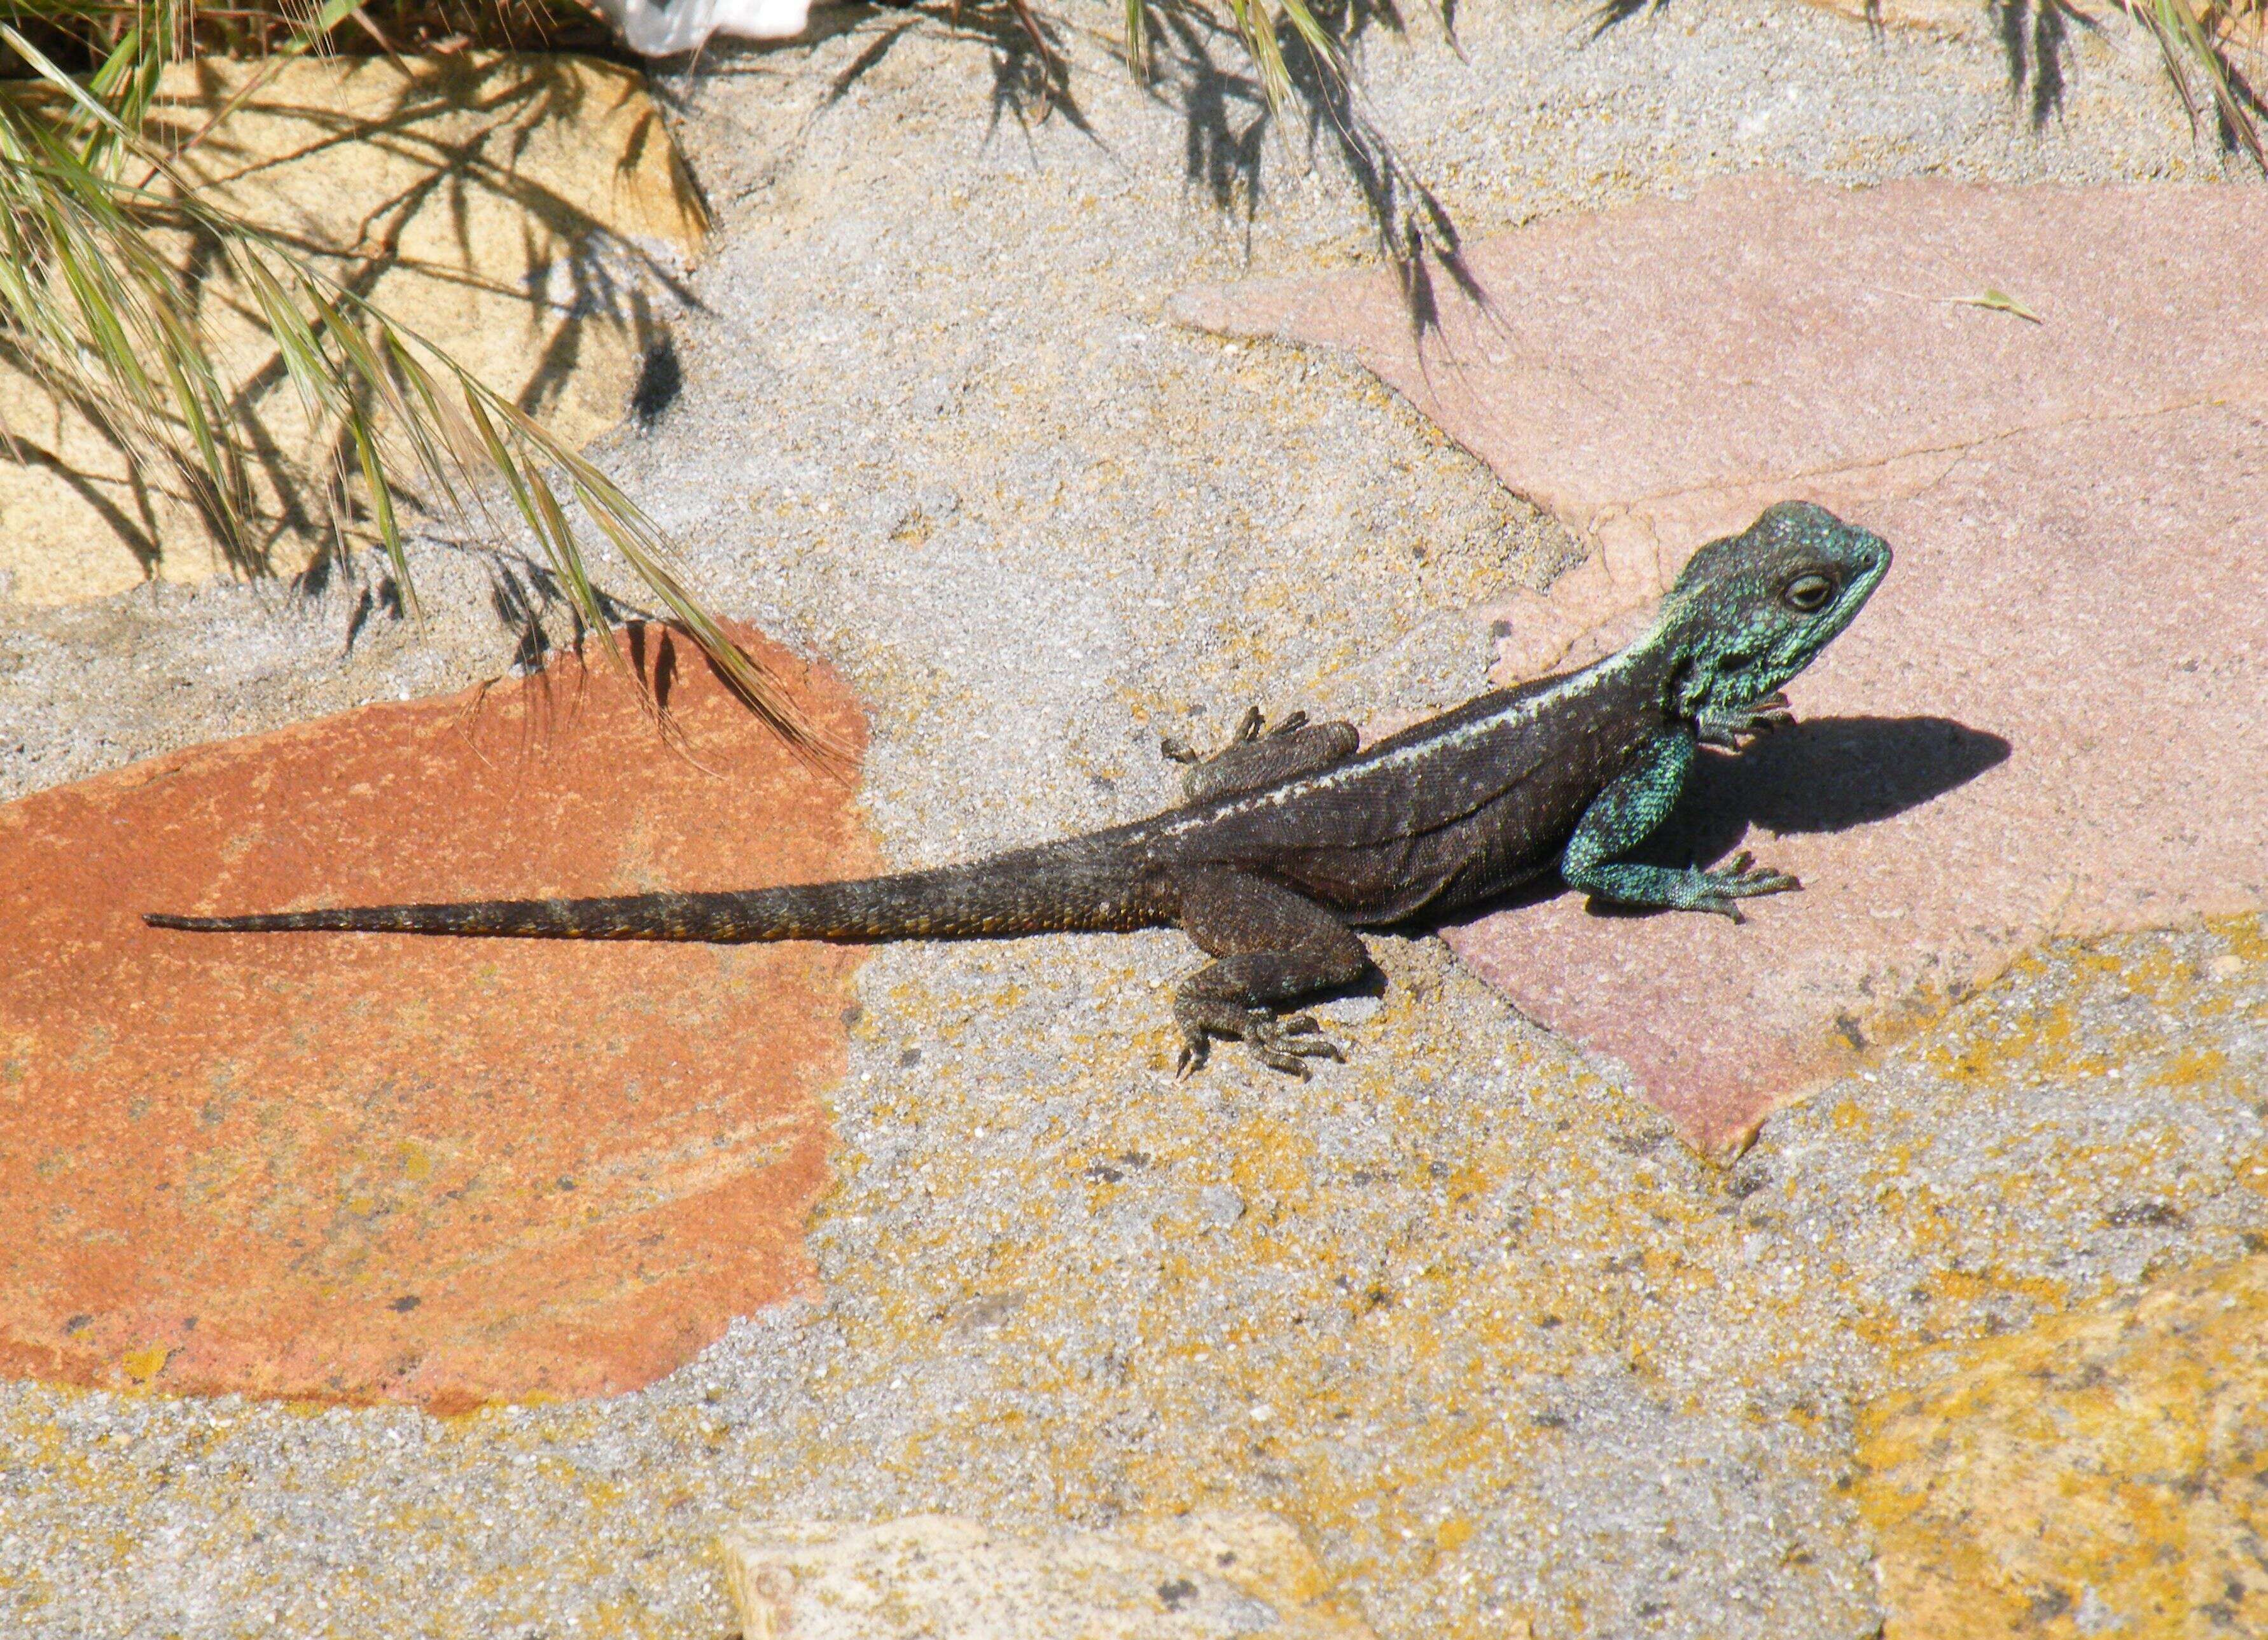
(1269, 947)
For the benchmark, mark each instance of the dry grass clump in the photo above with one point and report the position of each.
(97, 304)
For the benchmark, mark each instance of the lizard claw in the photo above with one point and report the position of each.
(1740, 879)
(1282, 1045)
(1176, 748)
(1258, 753)
(1253, 726)
(1287, 1045)
(1734, 729)
(1771, 712)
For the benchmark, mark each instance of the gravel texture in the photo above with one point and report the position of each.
(1463, 1309)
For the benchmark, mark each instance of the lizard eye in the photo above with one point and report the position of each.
(1808, 593)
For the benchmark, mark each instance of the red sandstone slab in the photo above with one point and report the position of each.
(2051, 719)
(432, 1171)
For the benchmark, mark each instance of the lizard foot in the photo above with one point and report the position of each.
(1197, 1047)
(1736, 730)
(1287, 1045)
(1284, 1045)
(1258, 754)
(1720, 889)
(1181, 751)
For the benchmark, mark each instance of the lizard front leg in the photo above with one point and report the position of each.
(1623, 816)
(1268, 948)
(1251, 760)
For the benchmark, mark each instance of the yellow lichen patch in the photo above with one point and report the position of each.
(2095, 1473)
(142, 1365)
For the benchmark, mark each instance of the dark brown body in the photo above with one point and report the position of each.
(1448, 812)
(1268, 877)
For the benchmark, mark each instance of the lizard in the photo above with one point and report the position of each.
(1291, 842)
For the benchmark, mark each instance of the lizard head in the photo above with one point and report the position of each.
(1751, 610)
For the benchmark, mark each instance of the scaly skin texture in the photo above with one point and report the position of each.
(1292, 839)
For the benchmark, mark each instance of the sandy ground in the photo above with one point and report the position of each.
(1459, 1308)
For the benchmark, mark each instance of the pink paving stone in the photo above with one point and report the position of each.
(2050, 720)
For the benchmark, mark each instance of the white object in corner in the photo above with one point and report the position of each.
(665, 29)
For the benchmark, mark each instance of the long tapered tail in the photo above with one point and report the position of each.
(1056, 886)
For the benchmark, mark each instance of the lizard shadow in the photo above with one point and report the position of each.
(1821, 775)
(1825, 775)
